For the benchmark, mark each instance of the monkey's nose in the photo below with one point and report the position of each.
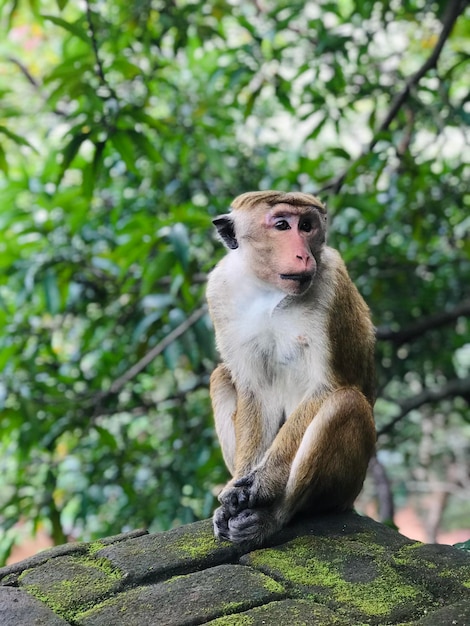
(305, 258)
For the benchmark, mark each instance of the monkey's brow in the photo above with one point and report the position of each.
(294, 211)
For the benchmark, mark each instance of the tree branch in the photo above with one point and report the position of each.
(119, 383)
(453, 10)
(437, 320)
(383, 490)
(456, 387)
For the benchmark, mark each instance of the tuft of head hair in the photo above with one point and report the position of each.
(270, 198)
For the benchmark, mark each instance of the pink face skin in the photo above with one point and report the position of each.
(293, 234)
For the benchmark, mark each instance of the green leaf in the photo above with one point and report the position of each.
(74, 28)
(3, 161)
(6, 353)
(180, 241)
(51, 291)
(145, 146)
(464, 545)
(70, 152)
(106, 437)
(16, 138)
(91, 171)
(122, 141)
(7, 542)
(143, 326)
(339, 152)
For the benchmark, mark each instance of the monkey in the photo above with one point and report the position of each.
(293, 395)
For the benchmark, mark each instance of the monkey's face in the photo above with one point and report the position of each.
(283, 245)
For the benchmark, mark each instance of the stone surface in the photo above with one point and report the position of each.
(331, 571)
(159, 556)
(190, 599)
(284, 613)
(18, 607)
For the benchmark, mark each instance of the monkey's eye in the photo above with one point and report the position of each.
(306, 226)
(282, 225)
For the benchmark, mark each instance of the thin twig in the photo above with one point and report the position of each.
(25, 71)
(94, 43)
(38, 87)
(456, 387)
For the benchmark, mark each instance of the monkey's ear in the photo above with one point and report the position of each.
(226, 229)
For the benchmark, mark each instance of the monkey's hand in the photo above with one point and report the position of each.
(247, 492)
(237, 495)
(250, 525)
(252, 506)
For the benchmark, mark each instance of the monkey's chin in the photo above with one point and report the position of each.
(297, 284)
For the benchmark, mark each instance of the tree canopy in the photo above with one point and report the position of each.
(125, 127)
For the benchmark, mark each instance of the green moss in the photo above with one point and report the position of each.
(238, 619)
(271, 585)
(459, 574)
(96, 546)
(302, 563)
(196, 545)
(231, 607)
(173, 579)
(405, 556)
(104, 565)
(66, 596)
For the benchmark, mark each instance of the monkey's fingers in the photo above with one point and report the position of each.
(220, 524)
(235, 500)
(245, 481)
(259, 490)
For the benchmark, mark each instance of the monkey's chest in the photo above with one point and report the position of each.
(277, 350)
(283, 353)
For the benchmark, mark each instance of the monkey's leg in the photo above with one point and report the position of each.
(224, 405)
(263, 481)
(329, 468)
(260, 482)
(326, 470)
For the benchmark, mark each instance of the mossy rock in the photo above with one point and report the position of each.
(336, 570)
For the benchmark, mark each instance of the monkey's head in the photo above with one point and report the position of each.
(278, 235)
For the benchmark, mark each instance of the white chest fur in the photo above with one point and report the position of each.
(275, 346)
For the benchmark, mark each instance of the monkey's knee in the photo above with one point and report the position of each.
(353, 422)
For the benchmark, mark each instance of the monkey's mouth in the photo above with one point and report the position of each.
(303, 278)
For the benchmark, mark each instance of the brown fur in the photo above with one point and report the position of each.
(293, 397)
(256, 199)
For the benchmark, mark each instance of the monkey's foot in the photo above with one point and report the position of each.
(249, 525)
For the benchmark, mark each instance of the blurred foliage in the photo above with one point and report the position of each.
(124, 128)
